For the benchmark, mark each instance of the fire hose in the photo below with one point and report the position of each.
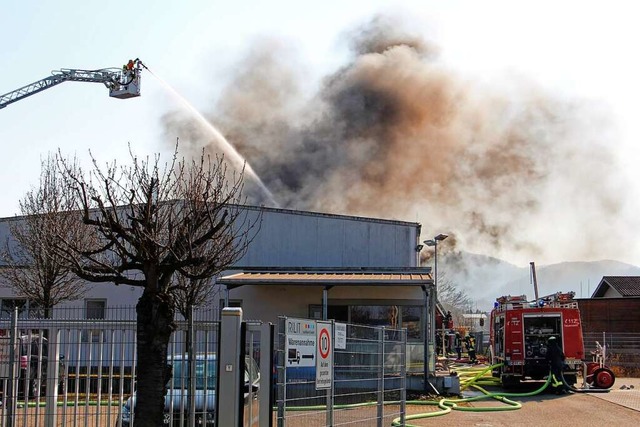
(476, 378)
(469, 377)
(472, 377)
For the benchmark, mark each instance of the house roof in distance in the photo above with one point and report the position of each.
(626, 286)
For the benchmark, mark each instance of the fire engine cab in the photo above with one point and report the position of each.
(520, 330)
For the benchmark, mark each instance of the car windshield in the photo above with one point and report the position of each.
(205, 374)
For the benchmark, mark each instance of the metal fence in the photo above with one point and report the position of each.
(623, 348)
(74, 371)
(369, 380)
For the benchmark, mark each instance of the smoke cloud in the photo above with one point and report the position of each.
(395, 133)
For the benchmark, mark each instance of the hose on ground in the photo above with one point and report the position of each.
(475, 377)
(471, 377)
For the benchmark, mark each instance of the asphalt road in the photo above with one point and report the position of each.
(579, 410)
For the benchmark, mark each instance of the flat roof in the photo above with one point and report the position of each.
(291, 212)
(331, 277)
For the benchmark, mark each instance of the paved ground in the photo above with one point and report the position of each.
(619, 407)
(625, 392)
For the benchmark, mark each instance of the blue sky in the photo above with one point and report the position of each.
(579, 51)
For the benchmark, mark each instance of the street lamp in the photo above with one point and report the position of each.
(434, 242)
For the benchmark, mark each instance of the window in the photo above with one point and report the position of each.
(411, 320)
(376, 315)
(390, 316)
(339, 313)
(95, 308)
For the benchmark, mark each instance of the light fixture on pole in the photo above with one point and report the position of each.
(434, 242)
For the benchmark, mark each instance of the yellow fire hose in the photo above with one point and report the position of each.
(475, 377)
(472, 377)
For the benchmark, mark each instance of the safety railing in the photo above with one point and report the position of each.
(622, 348)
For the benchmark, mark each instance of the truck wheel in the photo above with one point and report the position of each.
(509, 381)
(603, 378)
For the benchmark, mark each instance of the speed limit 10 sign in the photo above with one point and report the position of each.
(324, 355)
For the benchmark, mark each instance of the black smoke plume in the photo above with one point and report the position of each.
(395, 133)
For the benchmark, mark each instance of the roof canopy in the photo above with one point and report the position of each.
(330, 277)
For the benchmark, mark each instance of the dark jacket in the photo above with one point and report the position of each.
(457, 341)
(555, 356)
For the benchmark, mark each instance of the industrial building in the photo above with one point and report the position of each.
(378, 257)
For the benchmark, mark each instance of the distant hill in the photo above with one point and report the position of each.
(485, 278)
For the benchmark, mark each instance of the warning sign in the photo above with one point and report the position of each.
(324, 355)
(340, 330)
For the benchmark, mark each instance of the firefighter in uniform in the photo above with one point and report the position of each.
(127, 70)
(470, 342)
(555, 357)
(457, 344)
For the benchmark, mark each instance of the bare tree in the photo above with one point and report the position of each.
(189, 293)
(151, 222)
(32, 268)
(450, 294)
(452, 298)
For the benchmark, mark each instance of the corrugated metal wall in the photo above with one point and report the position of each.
(290, 238)
(305, 239)
(610, 314)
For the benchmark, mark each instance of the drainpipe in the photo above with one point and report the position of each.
(325, 301)
(426, 331)
(418, 245)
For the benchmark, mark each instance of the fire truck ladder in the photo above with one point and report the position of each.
(122, 84)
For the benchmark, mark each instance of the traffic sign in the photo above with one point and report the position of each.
(324, 355)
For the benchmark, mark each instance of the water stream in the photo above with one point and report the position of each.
(235, 157)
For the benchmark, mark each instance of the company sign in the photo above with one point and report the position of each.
(300, 345)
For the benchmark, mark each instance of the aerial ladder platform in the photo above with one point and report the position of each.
(122, 82)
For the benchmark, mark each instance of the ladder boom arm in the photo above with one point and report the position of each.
(117, 81)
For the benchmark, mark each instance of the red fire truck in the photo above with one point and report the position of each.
(520, 330)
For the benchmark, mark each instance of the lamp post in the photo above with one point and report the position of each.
(434, 242)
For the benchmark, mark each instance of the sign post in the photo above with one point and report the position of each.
(324, 363)
(324, 355)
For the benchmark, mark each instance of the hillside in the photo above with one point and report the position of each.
(485, 278)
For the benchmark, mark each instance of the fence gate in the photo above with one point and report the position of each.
(245, 367)
(368, 379)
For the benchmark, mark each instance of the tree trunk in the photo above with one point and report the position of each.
(154, 328)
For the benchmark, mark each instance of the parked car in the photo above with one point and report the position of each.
(33, 363)
(177, 401)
